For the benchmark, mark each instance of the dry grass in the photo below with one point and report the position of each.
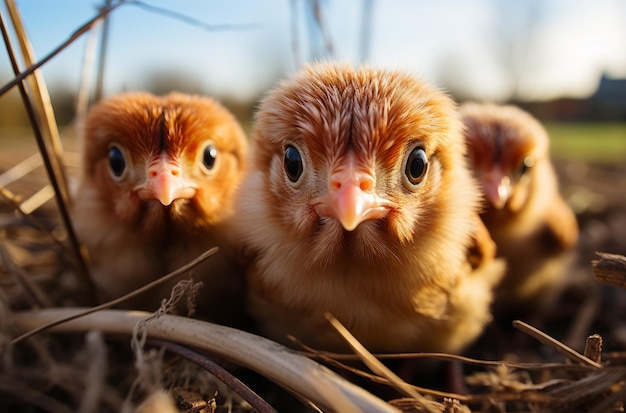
(61, 353)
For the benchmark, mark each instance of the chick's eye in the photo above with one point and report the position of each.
(209, 156)
(526, 164)
(117, 163)
(416, 166)
(293, 163)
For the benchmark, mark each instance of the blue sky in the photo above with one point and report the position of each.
(550, 48)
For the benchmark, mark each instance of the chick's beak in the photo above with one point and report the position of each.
(351, 197)
(165, 182)
(497, 187)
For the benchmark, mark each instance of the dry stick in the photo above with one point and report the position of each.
(593, 348)
(82, 97)
(85, 27)
(35, 295)
(75, 35)
(366, 30)
(104, 41)
(20, 170)
(12, 199)
(82, 100)
(331, 360)
(123, 298)
(323, 27)
(187, 19)
(310, 352)
(589, 387)
(270, 359)
(83, 271)
(610, 269)
(38, 199)
(295, 42)
(531, 396)
(525, 396)
(224, 376)
(42, 100)
(16, 173)
(376, 366)
(558, 346)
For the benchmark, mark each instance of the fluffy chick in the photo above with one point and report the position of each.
(359, 203)
(155, 190)
(532, 226)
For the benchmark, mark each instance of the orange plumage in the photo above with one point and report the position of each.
(359, 203)
(156, 189)
(533, 227)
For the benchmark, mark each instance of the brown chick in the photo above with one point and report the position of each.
(156, 189)
(359, 203)
(532, 226)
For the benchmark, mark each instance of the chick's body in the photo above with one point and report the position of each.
(156, 189)
(359, 203)
(532, 226)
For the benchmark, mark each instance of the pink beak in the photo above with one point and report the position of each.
(351, 197)
(497, 188)
(165, 183)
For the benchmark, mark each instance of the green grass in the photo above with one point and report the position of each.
(592, 142)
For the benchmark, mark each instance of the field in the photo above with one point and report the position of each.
(592, 142)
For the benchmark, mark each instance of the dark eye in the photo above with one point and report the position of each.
(209, 156)
(293, 163)
(117, 163)
(416, 166)
(526, 164)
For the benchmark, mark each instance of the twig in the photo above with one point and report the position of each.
(366, 30)
(376, 366)
(220, 373)
(277, 363)
(104, 12)
(190, 20)
(82, 97)
(14, 201)
(104, 41)
(41, 98)
(20, 170)
(610, 269)
(323, 27)
(447, 357)
(295, 39)
(589, 387)
(558, 346)
(37, 200)
(525, 396)
(75, 35)
(593, 348)
(83, 271)
(327, 358)
(32, 290)
(123, 298)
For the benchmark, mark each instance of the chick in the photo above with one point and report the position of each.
(155, 190)
(532, 226)
(359, 203)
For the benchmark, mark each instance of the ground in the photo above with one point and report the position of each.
(596, 191)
